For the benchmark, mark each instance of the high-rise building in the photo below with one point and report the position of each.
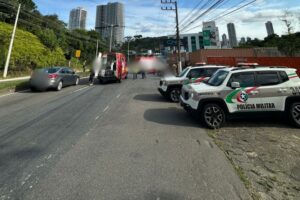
(77, 19)
(243, 40)
(110, 19)
(224, 42)
(232, 35)
(269, 27)
(190, 42)
(211, 37)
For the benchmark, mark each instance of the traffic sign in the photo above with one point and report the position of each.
(78, 53)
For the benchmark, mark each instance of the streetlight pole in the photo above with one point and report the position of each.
(111, 35)
(128, 52)
(97, 48)
(11, 43)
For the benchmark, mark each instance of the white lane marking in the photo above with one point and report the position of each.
(106, 108)
(97, 117)
(12, 93)
(80, 89)
(118, 96)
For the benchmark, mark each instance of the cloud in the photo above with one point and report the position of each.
(147, 18)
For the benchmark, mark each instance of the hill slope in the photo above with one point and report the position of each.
(28, 51)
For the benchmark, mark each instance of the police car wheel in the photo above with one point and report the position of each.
(295, 113)
(174, 95)
(213, 116)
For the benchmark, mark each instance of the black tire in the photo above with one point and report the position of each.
(59, 86)
(294, 114)
(213, 116)
(174, 94)
(32, 89)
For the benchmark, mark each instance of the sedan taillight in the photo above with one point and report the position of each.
(52, 76)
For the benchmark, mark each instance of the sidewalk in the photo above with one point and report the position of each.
(14, 79)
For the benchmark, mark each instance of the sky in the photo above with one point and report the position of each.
(145, 17)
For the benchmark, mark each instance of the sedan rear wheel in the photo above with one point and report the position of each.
(59, 86)
(77, 81)
(295, 114)
(213, 116)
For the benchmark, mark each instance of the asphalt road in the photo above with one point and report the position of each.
(110, 142)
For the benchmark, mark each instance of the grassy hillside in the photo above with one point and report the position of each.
(28, 51)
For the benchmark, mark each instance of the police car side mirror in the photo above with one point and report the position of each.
(235, 85)
(205, 80)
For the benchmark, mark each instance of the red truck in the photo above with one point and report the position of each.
(113, 68)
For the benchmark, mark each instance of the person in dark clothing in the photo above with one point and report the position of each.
(84, 66)
(143, 74)
(91, 79)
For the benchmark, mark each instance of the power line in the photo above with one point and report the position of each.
(46, 22)
(203, 14)
(241, 7)
(190, 14)
(235, 10)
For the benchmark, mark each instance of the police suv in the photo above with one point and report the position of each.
(242, 90)
(170, 86)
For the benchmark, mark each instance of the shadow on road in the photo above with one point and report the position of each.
(171, 116)
(12, 155)
(150, 97)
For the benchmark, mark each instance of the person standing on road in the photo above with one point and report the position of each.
(143, 74)
(92, 76)
(84, 66)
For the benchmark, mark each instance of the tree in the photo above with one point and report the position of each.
(287, 19)
(26, 4)
(48, 38)
(138, 37)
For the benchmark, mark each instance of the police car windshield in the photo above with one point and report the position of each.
(183, 72)
(218, 78)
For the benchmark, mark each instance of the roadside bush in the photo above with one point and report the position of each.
(28, 51)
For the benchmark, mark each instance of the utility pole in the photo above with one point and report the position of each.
(11, 43)
(111, 36)
(171, 8)
(97, 47)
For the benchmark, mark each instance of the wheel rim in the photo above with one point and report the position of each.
(296, 113)
(175, 95)
(213, 116)
(59, 86)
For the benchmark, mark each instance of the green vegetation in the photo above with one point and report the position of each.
(28, 52)
(289, 44)
(14, 85)
(43, 40)
(141, 45)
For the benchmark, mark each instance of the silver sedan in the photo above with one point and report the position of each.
(53, 78)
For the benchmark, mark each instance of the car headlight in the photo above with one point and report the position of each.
(194, 95)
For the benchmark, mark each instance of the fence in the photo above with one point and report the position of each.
(293, 62)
